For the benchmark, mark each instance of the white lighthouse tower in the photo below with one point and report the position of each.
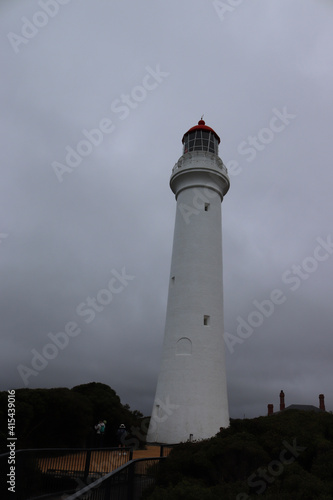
(191, 400)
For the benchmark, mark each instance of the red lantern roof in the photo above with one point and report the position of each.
(201, 126)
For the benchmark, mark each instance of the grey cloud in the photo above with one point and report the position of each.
(115, 209)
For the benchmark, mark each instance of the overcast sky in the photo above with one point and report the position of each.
(82, 209)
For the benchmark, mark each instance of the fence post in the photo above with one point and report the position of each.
(131, 478)
(87, 465)
(19, 473)
(107, 494)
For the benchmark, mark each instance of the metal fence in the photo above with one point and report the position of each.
(126, 483)
(41, 472)
(45, 471)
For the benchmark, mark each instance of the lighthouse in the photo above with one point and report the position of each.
(191, 401)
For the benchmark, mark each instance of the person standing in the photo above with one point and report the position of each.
(100, 429)
(121, 435)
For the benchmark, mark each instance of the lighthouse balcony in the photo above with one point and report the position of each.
(196, 159)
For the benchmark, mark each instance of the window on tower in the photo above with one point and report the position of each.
(201, 140)
(206, 320)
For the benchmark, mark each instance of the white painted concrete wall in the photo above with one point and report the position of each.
(191, 396)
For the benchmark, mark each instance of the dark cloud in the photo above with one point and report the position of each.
(114, 209)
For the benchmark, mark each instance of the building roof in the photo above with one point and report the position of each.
(303, 408)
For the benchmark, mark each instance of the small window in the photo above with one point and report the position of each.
(206, 320)
(207, 207)
(172, 279)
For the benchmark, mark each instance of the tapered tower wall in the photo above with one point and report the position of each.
(191, 396)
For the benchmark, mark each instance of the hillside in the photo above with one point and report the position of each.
(61, 417)
(285, 456)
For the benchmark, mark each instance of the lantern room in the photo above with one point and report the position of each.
(201, 138)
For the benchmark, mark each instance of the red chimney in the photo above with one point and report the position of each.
(282, 405)
(322, 402)
(270, 409)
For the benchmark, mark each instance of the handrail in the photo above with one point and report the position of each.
(45, 471)
(107, 477)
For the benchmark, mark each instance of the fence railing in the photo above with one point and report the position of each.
(44, 471)
(41, 472)
(126, 483)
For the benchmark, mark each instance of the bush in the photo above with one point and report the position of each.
(288, 455)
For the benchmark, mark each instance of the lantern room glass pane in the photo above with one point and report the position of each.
(201, 140)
